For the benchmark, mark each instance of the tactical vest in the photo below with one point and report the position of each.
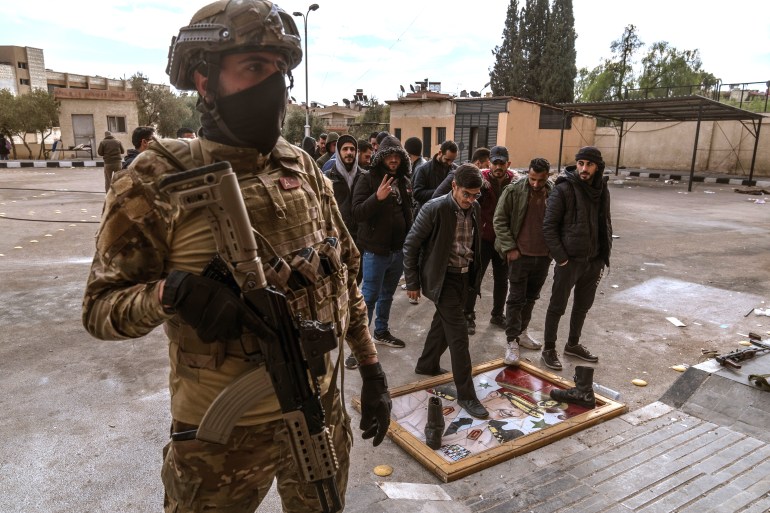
(290, 209)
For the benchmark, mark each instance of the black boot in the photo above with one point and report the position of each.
(435, 425)
(583, 393)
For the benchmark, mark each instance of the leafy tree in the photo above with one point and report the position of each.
(8, 116)
(595, 85)
(194, 119)
(502, 71)
(559, 70)
(376, 117)
(665, 69)
(40, 113)
(294, 126)
(159, 107)
(624, 49)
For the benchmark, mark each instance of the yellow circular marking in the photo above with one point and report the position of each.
(383, 470)
(639, 382)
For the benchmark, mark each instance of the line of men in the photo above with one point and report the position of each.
(464, 218)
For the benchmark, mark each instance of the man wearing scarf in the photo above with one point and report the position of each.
(578, 232)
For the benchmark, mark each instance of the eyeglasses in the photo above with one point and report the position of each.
(468, 195)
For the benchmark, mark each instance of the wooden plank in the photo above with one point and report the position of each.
(449, 471)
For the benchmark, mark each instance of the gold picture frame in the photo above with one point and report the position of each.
(498, 449)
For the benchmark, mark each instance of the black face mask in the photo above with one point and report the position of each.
(252, 117)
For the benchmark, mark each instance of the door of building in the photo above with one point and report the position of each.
(83, 129)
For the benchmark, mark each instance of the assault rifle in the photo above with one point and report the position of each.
(294, 358)
(733, 358)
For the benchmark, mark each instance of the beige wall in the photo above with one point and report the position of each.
(723, 147)
(519, 133)
(100, 109)
(412, 116)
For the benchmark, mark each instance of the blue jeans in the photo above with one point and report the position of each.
(381, 275)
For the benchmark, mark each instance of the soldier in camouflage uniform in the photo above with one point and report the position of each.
(149, 256)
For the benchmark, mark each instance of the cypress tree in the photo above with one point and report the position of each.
(502, 71)
(558, 70)
(533, 33)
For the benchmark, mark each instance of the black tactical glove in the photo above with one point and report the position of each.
(375, 403)
(211, 307)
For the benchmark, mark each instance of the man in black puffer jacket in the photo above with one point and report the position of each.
(382, 209)
(578, 232)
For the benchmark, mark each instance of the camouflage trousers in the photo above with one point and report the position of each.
(234, 478)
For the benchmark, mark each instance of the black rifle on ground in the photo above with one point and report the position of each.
(733, 358)
(294, 357)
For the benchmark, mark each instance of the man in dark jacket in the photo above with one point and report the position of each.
(343, 176)
(141, 137)
(578, 231)
(382, 199)
(331, 149)
(430, 175)
(112, 151)
(441, 257)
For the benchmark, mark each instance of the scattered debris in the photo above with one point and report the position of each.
(744, 343)
(753, 192)
(414, 491)
(639, 382)
(761, 311)
(679, 368)
(671, 182)
(614, 286)
(676, 322)
(709, 192)
(616, 236)
(653, 264)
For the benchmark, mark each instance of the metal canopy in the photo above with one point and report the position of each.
(677, 108)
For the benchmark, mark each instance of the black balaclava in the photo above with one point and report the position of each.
(251, 118)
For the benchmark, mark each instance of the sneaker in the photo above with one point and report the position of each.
(512, 352)
(551, 359)
(580, 351)
(528, 342)
(389, 340)
(351, 362)
(474, 408)
(498, 320)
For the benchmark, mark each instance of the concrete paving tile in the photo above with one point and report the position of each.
(647, 413)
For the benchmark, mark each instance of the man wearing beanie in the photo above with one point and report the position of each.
(382, 201)
(112, 151)
(331, 149)
(413, 147)
(578, 232)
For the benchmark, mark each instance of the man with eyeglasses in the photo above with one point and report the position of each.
(518, 226)
(441, 257)
(429, 176)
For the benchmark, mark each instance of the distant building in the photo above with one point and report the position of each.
(90, 105)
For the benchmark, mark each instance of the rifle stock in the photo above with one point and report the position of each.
(294, 357)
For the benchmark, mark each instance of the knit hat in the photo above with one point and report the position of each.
(591, 154)
(346, 138)
(413, 146)
(498, 153)
(381, 136)
(331, 138)
(107, 133)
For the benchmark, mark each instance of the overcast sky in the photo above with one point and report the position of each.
(379, 46)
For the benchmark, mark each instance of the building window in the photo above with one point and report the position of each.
(426, 143)
(116, 124)
(22, 65)
(552, 119)
(398, 133)
(440, 134)
(24, 81)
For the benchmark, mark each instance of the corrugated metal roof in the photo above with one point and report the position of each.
(677, 108)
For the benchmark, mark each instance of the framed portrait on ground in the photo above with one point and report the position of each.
(522, 418)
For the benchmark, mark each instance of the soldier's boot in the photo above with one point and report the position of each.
(435, 425)
(583, 392)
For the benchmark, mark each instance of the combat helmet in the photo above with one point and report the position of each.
(229, 25)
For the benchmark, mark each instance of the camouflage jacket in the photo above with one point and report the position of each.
(142, 237)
